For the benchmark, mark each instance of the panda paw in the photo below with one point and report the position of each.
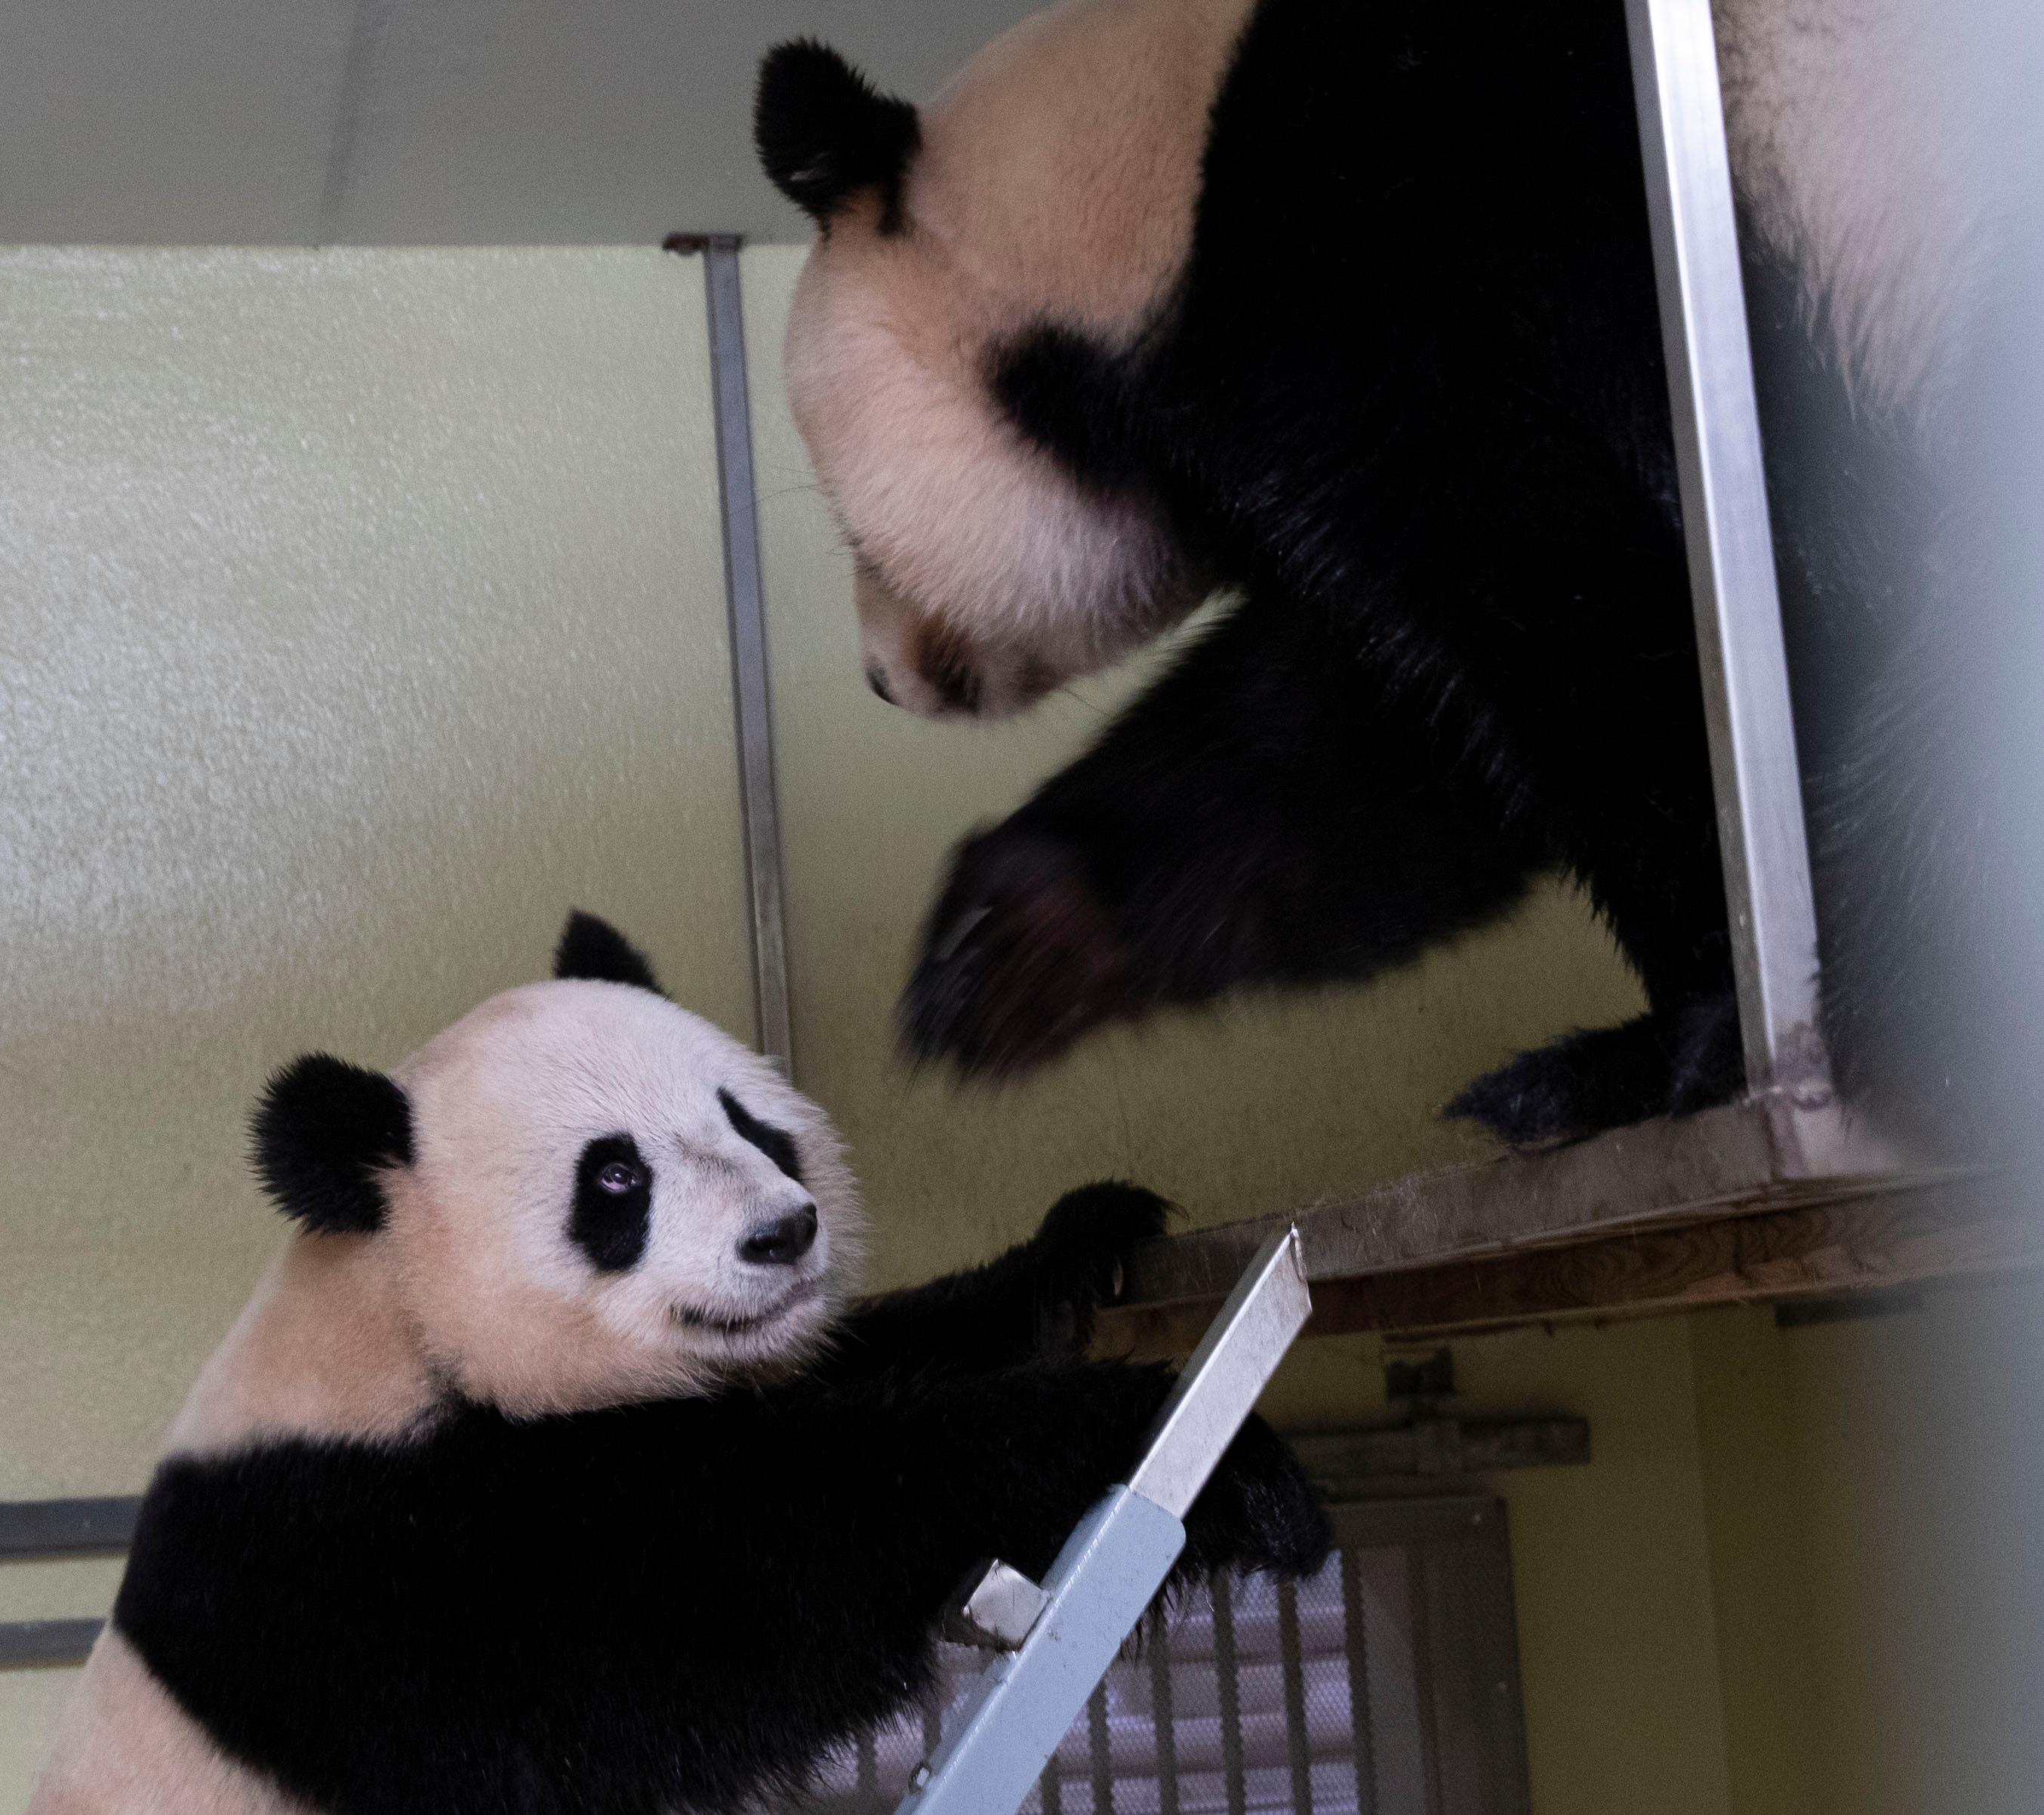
(1019, 957)
(1079, 1254)
(1260, 1512)
(1670, 1064)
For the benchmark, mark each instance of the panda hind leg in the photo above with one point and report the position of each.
(1670, 1063)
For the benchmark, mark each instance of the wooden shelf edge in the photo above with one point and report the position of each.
(1767, 1153)
(1903, 1235)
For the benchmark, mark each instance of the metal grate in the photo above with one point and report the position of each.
(1385, 1685)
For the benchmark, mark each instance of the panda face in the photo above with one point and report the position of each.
(1051, 183)
(607, 1198)
(986, 573)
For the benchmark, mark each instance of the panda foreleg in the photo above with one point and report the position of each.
(1037, 1299)
(1273, 811)
(924, 1481)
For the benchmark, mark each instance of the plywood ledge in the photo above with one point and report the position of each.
(1763, 1198)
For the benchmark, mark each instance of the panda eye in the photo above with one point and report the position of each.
(618, 1177)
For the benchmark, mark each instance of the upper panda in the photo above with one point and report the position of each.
(1352, 309)
(548, 1468)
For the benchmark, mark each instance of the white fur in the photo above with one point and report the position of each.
(123, 1746)
(1861, 133)
(474, 1282)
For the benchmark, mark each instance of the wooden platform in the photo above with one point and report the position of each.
(1763, 1199)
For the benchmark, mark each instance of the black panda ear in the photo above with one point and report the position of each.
(594, 949)
(825, 132)
(322, 1132)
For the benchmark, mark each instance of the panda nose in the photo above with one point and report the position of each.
(783, 1242)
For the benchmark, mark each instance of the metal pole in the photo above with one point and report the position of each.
(1058, 1642)
(745, 596)
(1758, 783)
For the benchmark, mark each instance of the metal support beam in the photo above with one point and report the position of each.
(67, 1528)
(1753, 767)
(758, 803)
(46, 1644)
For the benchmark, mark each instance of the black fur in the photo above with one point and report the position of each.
(823, 132)
(594, 949)
(1409, 396)
(609, 1220)
(777, 1144)
(665, 1606)
(1066, 393)
(1039, 1298)
(321, 1133)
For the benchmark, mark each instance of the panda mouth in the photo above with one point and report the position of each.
(689, 1317)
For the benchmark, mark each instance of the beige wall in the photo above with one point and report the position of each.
(1875, 1500)
(359, 612)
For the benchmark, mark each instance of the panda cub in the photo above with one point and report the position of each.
(549, 1468)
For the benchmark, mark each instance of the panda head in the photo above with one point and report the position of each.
(581, 1194)
(980, 266)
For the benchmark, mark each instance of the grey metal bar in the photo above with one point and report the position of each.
(1297, 1749)
(1108, 1573)
(67, 1528)
(1160, 1707)
(1385, 1525)
(1756, 777)
(26, 1644)
(1099, 1752)
(1441, 1446)
(1420, 1615)
(1493, 1642)
(1052, 1787)
(1355, 1632)
(1230, 1687)
(1226, 1374)
(745, 596)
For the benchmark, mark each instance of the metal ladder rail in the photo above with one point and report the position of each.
(1754, 773)
(1058, 1640)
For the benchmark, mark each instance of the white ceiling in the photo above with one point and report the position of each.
(314, 122)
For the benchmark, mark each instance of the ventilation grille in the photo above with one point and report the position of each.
(1328, 1697)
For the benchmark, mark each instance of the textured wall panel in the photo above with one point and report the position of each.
(359, 613)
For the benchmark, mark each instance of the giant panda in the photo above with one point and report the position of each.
(549, 1469)
(1352, 309)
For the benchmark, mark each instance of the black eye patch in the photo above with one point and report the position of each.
(777, 1146)
(613, 1203)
